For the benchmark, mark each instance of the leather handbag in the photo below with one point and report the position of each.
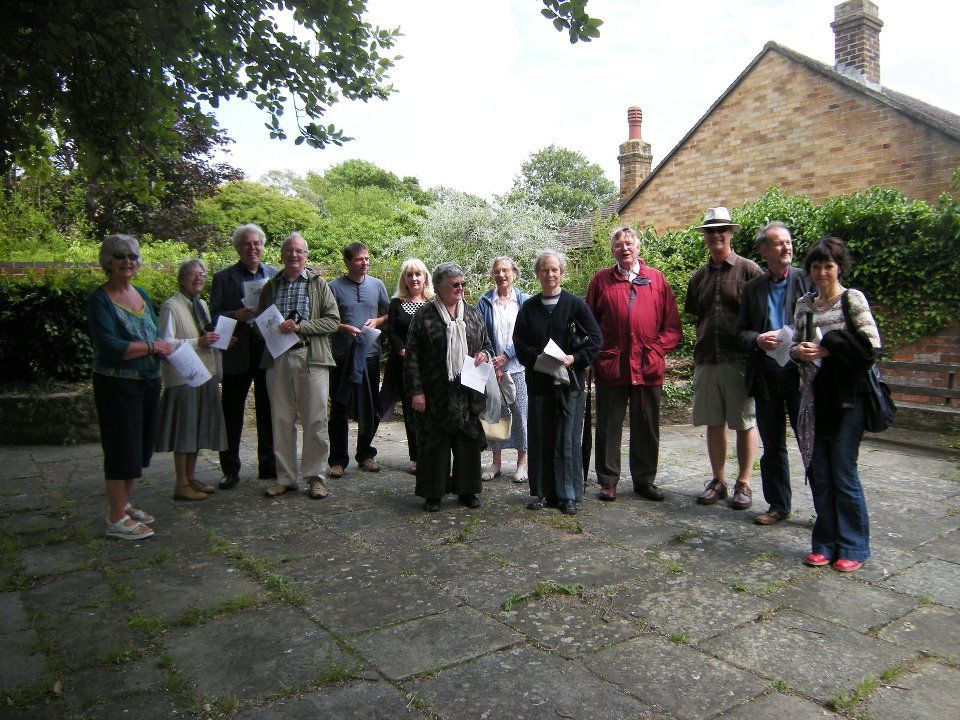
(499, 430)
(879, 412)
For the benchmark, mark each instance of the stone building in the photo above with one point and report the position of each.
(791, 121)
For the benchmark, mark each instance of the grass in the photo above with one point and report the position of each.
(226, 705)
(675, 567)
(685, 536)
(333, 671)
(679, 637)
(24, 696)
(781, 687)
(739, 586)
(544, 587)
(765, 555)
(842, 700)
(196, 615)
(926, 600)
(149, 625)
(120, 655)
(282, 588)
(464, 534)
(564, 522)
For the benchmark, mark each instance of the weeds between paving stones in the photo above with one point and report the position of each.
(544, 587)
(685, 535)
(120, 655)
(679, 637)
(24, 696)
(196, 615)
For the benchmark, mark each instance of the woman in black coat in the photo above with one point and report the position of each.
(555, 387)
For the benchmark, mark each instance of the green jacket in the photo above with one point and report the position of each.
(324, 319)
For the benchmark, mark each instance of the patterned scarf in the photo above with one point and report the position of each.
(456, 336)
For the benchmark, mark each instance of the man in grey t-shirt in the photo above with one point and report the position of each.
(363, 302)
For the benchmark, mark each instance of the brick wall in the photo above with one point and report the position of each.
(787, 125)
(944, 347)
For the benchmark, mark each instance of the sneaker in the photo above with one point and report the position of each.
(370, 465)
(770, 517)
(714, 490)
(317, 489)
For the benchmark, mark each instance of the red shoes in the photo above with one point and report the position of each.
(846, 565)
(816, 560)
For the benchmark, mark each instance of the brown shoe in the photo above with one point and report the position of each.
(607, 492)
(770, 517)
(335, 471)
(715, 489)
(370, 465)
(317, 489)
(188, 493)
(202, 487)
(649, 491)
(742, 496)
(278, 489)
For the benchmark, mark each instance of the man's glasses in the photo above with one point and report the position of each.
(132, 257)
(458, 285)
(717, 230)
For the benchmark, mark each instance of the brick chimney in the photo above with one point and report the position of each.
(635, 158)
(856, 29)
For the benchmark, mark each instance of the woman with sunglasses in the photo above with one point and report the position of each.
(126, 381)
(441, 336)
(191, 418)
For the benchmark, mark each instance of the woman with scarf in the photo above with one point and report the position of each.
(835, 343)
(446, 412)
(554, 386)
(191, 418)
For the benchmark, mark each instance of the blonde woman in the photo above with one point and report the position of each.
(414, 290)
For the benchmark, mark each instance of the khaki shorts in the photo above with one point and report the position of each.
(720, 397)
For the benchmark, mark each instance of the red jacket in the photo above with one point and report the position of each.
(637, 332)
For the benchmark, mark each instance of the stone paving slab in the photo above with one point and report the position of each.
(22, 664)
(357, 701)
(844, 600)
(777, 706)
(522, 683)
(931, 629)
(816, 657)
(934, 579)
(695, 606)
(85, 636)
(682, 680)
(433, 642)
(53, 559)
(385, 603)
(944, 548)
(932, 693)
(280, 647)
(94, 686)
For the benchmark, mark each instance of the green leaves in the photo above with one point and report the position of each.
(571, 15)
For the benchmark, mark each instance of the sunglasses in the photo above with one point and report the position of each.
(132, 257)
(718, 230)
(458, 285)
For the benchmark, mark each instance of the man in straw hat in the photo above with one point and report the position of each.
(720, 397)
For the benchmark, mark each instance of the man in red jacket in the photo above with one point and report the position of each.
(638, 316)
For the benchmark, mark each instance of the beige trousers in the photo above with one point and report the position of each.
(298, 391)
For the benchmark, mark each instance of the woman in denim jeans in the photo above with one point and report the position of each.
(832, 404)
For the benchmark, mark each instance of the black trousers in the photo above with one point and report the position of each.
(433, 467)
(234, 400)
(127, 412)
(644, 403)
(338, 425)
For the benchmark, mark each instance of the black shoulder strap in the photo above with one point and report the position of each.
(845, 306)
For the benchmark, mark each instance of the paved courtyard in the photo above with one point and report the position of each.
(363, 606)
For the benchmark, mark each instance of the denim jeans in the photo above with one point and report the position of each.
(781, 400)
(842, 530)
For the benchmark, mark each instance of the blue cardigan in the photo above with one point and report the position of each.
(111, 338)
(485, 306)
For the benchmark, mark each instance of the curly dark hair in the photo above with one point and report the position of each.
(829, 249)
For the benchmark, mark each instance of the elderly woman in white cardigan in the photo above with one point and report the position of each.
(191, 418)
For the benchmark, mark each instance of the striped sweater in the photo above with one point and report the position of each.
(830, 317)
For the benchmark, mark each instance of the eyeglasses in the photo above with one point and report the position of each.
(716, 230)
(458, 285)
(132, 257)
(196, 276)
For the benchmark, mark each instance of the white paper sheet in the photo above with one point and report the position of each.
(782, 352)
(188, 365)
(251, 292)
(277, 342)
(225, 326)
(473, 377)
(369, 334)
(554, 351)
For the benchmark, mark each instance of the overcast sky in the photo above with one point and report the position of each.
(481, 85)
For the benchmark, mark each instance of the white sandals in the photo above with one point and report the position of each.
(139, 515)
(122, 531)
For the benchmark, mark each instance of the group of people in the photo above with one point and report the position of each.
(541, 352)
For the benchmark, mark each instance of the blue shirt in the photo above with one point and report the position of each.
(776, 304)
(357, 303)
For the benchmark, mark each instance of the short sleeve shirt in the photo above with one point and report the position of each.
(357, 303)
(713, 298)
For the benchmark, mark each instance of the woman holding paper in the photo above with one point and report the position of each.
(126, 381)
(499, 308)
(191, 418)
(556, 338)
(444, 337)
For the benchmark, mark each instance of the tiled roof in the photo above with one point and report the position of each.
(577, 233)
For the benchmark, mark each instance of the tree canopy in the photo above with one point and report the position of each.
(562, 181)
